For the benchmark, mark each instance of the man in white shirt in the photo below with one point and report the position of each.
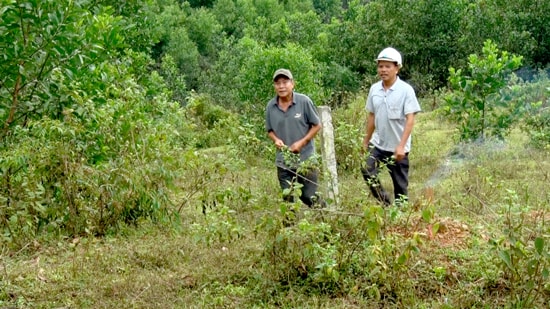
(392, 106)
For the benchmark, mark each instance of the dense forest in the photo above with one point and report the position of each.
(110, 109)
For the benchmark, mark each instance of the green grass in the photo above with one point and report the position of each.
(239, 255)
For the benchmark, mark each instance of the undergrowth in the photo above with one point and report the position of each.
(474, 234)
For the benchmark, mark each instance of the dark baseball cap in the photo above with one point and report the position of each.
(284, 72)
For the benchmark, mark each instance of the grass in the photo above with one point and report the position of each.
(239, 255)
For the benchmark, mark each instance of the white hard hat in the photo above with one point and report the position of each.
(390, 54)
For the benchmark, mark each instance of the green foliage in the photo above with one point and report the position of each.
(98, 168)
(220, 226)
(240, 254)
(428, 46)
(523, 255)
(536, 22)
(208, 114)
(476, 103)
(89, 136)
(328, 9)
(212, 184)
(139, 20)
(173, 78)
(234, 16)
(349, 130)
(299, 28)
(200, 3)
(294, 6)
(242, 78)
(538, 127)
(212, 124)
(272, 10)
(42, 38)
(185, 54)
(269, 33)
(536, 123)
(432, 35)
(339, 84)
(517, 27)
(91, 143)
(205, 31)
(214, 127)
(256, 74)
(349, 42)
(321, 255)
(176, 50)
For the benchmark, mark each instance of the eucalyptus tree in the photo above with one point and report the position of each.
(271, 10)
(234, 15)
(89, 136)
(206, 34)
(490, 19)
(257, 71)
(45, 43)
(530, 24)
(328, 9)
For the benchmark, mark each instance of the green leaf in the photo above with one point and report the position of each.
(435, 227)
(402, 258)
(505, 257)
(427, 215)
(539, 244)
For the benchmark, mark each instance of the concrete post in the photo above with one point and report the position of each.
(328, 153)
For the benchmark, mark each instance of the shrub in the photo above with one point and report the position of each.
(476, 103)
(103, 164)
(536, 123)
(537, 127)
(349, 133)
(523, 255)
(328, 255)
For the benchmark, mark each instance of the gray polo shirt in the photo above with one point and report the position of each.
(292, 125)
(389, 108)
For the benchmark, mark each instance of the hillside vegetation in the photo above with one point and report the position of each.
(475, 235)
(135, 170)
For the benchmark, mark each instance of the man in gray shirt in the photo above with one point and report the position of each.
(391, 106)
(291, 121)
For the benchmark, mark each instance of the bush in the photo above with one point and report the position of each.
(535, 96)
(537, 126)
(349, 132)
(331, 255)
(476, 102)
(103, 164)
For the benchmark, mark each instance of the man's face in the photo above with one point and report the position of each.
(387, 70)
(283, 86)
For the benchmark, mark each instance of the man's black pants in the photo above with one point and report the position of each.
(287, 177)
(399, 173)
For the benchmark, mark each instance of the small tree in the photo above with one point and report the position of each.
(255, 72)
(477, 103)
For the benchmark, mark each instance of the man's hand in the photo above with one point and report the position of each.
(279, 143)
(366, 146)
(297, 146)
(399, 153)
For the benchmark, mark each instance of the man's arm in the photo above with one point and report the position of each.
(369, 130)
(278, 142)
(409, 124)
